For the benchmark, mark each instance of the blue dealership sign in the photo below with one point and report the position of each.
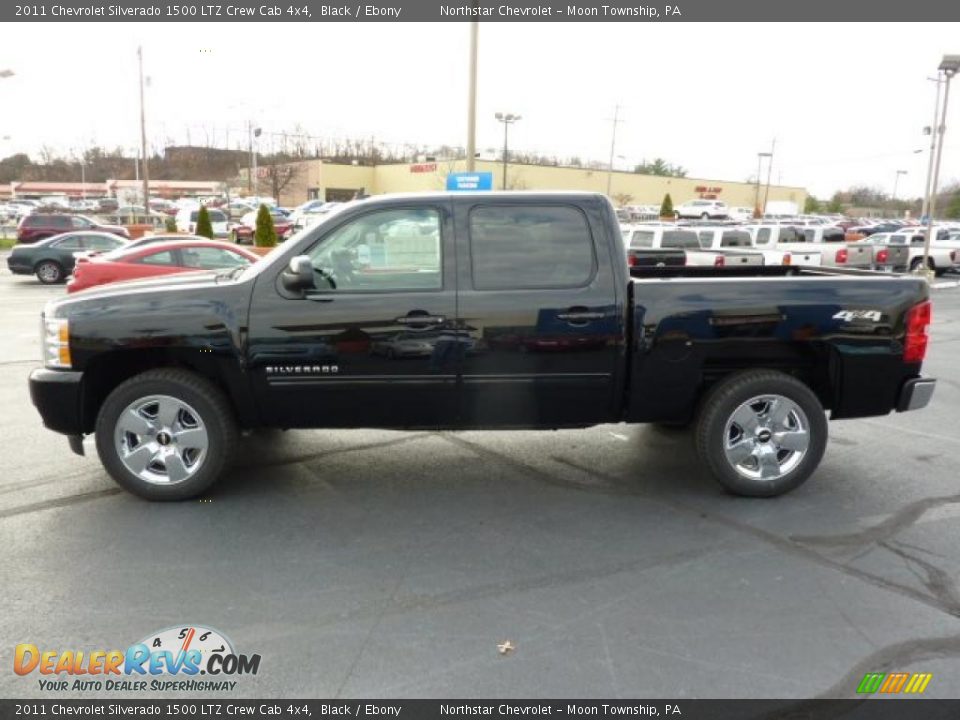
(470, 181)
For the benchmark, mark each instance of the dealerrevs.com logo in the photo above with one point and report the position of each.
(173, 659)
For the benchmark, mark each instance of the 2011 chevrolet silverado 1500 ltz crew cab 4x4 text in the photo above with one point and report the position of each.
(477, 310)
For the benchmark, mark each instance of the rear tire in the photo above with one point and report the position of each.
(49, 272)
(761, 433)
(166, 434)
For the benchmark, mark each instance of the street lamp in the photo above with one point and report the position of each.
(253, 133)
(507, 119)
(756, 195)
(896, 181)
(948, 68)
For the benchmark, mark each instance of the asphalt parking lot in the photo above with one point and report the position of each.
(372, 564)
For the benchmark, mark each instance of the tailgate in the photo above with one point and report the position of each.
(656, 258)
(891, 257)
(859, 255)
(806, 257)
(741, 258)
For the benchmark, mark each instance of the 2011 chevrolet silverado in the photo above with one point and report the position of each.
(480, 310)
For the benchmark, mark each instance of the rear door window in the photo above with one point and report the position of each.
(164, 257)
(530, 246)
(70, 242)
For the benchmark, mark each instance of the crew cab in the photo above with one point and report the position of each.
(529, 318)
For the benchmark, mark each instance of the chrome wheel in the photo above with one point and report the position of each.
(766, 437)
(161, 440)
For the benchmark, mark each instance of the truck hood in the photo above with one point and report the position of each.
(194, 280)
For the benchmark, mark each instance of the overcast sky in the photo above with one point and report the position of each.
(846, 103)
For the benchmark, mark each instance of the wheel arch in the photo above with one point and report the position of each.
(108, 370)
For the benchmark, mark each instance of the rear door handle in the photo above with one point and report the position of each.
(421, 320)
(580, 316)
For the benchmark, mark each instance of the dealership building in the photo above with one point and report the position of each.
(319, 179)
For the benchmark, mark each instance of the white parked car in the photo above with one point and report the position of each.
(187, 221)
(703, 209)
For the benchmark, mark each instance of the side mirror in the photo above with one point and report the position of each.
(298, 276)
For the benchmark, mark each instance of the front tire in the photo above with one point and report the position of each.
(761, 433)
(49, 272)
(166, 434)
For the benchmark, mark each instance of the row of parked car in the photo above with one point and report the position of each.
(786, 243)
(86, 258)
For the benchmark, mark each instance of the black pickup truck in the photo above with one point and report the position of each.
(480, 310)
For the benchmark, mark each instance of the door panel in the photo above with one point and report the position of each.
(376, 346)
(538, 308)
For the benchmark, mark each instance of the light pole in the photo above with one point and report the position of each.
(932, 130)
(472, 100)
(143, 138)
(948, 68)
(507, 119)
(252, 133)
(756, 195)
(896, 181)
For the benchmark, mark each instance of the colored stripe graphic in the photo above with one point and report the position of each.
(870, 683)
(894, 682)
(913, 683)
(918, 683)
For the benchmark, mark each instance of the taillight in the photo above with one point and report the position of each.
(841, 256)
(719, 261)
(786, 259)
(953, 256)
(915, 343)
(631, 260)
(882, 255)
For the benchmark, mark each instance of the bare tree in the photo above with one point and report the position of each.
(278, 176)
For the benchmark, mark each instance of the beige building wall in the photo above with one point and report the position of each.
(632, 188)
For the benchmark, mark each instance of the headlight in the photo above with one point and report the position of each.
(56, 343)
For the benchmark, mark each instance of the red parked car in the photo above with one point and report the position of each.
(243, 231)
(156, 259)
(38, 226)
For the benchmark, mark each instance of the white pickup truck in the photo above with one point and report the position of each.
(766, 238)
(659, 244)
(737, 245)
(939, 260)
(800, 242)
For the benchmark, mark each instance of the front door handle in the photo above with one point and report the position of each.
(580, 316)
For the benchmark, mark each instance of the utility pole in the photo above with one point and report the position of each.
(143, 137)
(472, 99)
(766, 193)
(948, 68)
(613, 144)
